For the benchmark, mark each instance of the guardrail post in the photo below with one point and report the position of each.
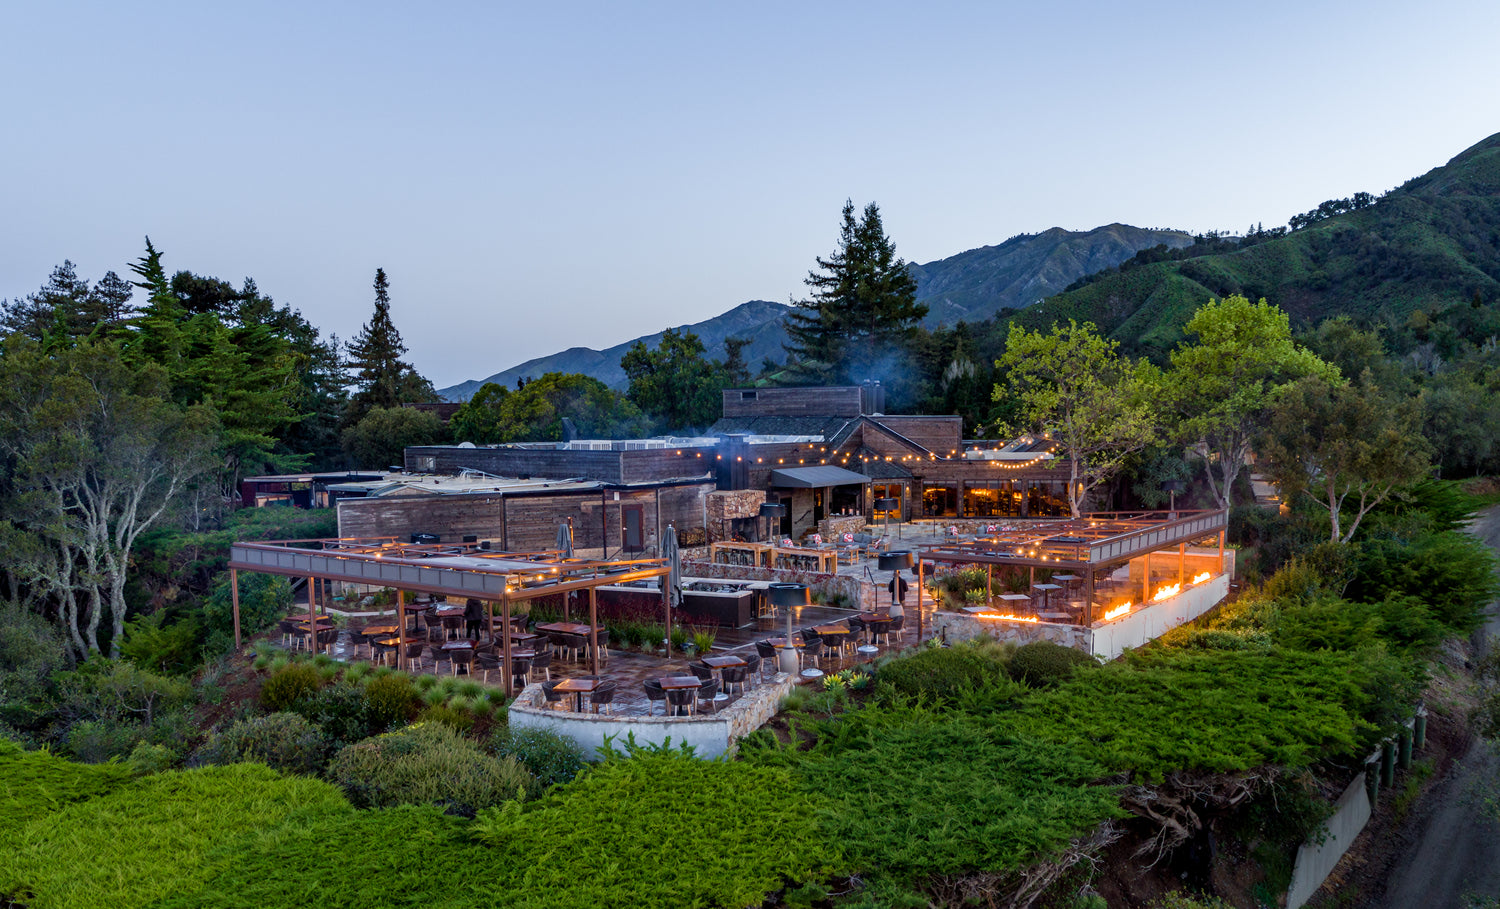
(1387, 763)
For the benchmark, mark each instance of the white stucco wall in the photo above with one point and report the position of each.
(1109, 639)
(711, 735)
(1350, 815)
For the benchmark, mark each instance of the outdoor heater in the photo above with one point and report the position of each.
(770, 510)
(791, 596)
(1172, 488)
(888, 506)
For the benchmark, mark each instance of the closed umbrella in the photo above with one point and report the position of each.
(565, 540)
(673, 580)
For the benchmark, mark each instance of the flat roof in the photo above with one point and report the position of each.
(1095, 539)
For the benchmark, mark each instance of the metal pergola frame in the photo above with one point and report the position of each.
(1087, 544)
(460, 570)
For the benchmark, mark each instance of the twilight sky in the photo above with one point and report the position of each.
(534, 177)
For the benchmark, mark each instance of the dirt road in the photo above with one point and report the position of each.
(1452, 844)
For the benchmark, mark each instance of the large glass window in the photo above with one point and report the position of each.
(1047, 498)
(940, 500)
(991, 499)
(885, 491)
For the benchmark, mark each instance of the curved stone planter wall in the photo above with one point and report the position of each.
(711, 735)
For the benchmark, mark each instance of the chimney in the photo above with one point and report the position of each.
(569, 431)
(871, 397)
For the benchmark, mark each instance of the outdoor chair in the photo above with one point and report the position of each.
(603, 640)
(452, 625)
(701, 670)
(439, 655)
(766, 653)
(734, 678)
(520, 668)
(812, 646)
(551, 696)
(434, 634)
(857, 627)
(752, 669)
(289, 633)
(603, 696)
(380, 653)
(486, 663)
(327, 637)
(542, 663)
(359, 640)
(464, 659)
(681, 700)
(557, 641)
(654, 693)
(414, 654)
(894, 628)
(708, 693)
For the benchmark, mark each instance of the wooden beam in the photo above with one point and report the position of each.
(401, 630)
(505, 645)
(594, 630)
(234, 596)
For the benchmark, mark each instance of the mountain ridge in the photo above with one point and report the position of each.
(973, 285)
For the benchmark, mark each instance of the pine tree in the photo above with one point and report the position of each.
(862, 306)
(382, 377)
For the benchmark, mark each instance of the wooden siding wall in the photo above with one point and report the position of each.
(523, 523)
(653, 464)
(839, 401)
(517, 462)
(939, 435)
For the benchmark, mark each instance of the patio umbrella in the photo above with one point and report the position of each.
(673, 580)
(565, 540)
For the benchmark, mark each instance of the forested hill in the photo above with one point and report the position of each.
(1434, 240)
(975, 285)
(971, 286)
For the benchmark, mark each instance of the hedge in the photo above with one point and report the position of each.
(36, 783)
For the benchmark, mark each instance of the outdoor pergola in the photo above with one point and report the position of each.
(1088, 545)
(458, 570)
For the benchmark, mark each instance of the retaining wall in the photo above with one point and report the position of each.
(711, 735)
(1350, 814)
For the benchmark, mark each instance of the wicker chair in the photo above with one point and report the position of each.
(603, 638)
(520, 668)
(452, 625)
(682, 700)
(414, 654)
(290, 635)
(487, 663)
(603, 696)
(766, 653)
(812, 647)
(702, 670)
(542, 663)
(463, 658)
(734, 677)
(708, 693)
(550, 695)
(894, 628)
(752, 669)
(654, 693)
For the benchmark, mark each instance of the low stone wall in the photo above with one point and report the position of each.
(833, 527)
(711, 735)
(1105, 640)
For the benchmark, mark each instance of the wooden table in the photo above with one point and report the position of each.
(977, 610)
(1054, 616)
(839, 628)
(444, 612)
(460, 644)
(578, 688)
(777, 641)
(565, 628)
(381, 629)
(719, 662)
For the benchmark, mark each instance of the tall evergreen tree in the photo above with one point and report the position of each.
(383, 379)
(862, 307)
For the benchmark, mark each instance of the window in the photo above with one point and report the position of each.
(748, 396)
(1047, 499)
(940, 501)
(991, 499)
(425, 463)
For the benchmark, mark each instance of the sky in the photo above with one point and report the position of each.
(540, 176)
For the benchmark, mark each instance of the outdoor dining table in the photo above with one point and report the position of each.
(1046, 589)
(460, 644)
(444, 612)
(720, 662)
(380, 629)
(1054, 616)
(977, 610)
(779, 641)
(838, 628)
(578, 688)
(565, 628)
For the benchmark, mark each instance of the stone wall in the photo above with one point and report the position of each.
(960, 626)
(834, 527)
(711, 735)
(726, 504)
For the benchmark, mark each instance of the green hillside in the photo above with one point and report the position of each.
(1434, 240)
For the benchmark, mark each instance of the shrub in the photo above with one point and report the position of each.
(153, 643)
(146, 759)
(764, 836)
(341, 710)
(31, 650)
(36, 783)
(150, 839)
(428, 764)
(972, 798)
(104, 689)
(1453, 572)
(391, 699)
(551, 758)
(1167, 709)
(264, 600)
(1043, 663)
(452, 715)
(97, 741)
(293, 862)
(288, 685)
(284, 741)
(942, 672)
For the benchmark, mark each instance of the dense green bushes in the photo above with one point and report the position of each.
(149, 839)
(1452, 572)
(1043, 663)
(288, 685)
(943, 674)
(428, 764)
(657, 829)
(1171, 709)
(36, 783)
(551, 758)
(284, 741)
